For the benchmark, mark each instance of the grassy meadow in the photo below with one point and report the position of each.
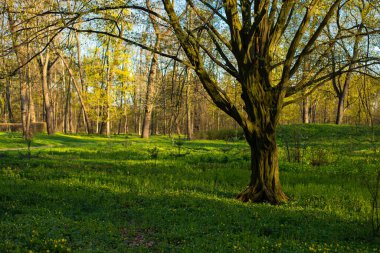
(78, 193)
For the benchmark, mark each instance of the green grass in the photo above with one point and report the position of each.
(96, 194)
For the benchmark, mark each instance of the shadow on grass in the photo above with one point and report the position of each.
(98, 219)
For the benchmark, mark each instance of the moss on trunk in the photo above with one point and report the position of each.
(265, 183)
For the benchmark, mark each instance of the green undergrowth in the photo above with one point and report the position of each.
(78, 193)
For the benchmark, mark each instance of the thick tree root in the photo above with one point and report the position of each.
(252, 194)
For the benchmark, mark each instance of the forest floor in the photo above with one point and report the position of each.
(124, 194)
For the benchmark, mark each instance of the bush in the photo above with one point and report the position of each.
(36, 127)
(371, 180)
(223, 134)
(178, 143)
(318, 156)
(10, 127)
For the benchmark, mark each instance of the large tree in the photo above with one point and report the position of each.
(265, 48)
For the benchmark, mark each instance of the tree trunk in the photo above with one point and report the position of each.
(150, 89)
(82, 83)
(24, 108)
(32, 110)
(66, 118)
(164, 107)
(45, 79)
(306, 110)
(189, 123)
(9, 101)
(342, 92)
(108, 106)
(20, 50)
(342, 97)
(126, 128)
(340, 109)
(265, 182)
(78, 90)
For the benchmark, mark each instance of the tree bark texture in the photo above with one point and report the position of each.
(78, 90)
(152, 78)
(306, 110)
(32, 108)
(342, 90)
(149, 97)
(264, 184)
(21, 55)
(45, 67)
(9, 100)
(189, 121)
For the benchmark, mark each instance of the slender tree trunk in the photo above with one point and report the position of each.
(24, 108)
(164, 106)
(217, 120)
(119, 126)
(82, 87)
(32, 109)
(78, 90)
(189, 122)
(79, 118)
(126, 128)
(110, 77)
(150, 90)
(108, 107)
(25, 101)
(343, 91)
(306, 110)
(97, 116)
(4, 109)
(178, 125)
(325, 110)
(45, 79)
(21, 52)
(9, 100)
(152, 78)
(135, 114)
(136, 96)
(340, 109)
(124, 108)
(66, 124)
(73, 117)
(341, 99)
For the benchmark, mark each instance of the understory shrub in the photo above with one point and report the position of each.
(222, 134)
(35, 127)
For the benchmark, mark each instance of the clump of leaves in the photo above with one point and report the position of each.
(179, 143)
(28, 141)
(153, 154)
(225, 159)
(373, 185)
(295, 145)
(127, 143)
(319, 156)
(226, 149)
